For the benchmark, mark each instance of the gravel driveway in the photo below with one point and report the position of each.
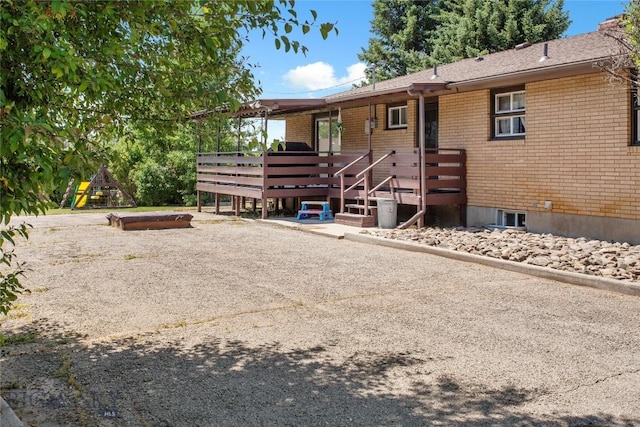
(236, 322)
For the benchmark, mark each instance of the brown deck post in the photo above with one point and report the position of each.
(199, 200)
(217, 203)
(265, 206)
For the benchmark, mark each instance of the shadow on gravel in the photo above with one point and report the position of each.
(155, 380)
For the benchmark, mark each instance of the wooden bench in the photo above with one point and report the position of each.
(324, 213)
(149, 220)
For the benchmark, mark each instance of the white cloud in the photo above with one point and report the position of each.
(321, 75)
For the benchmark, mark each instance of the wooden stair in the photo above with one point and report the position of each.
(355, 219)
(357, 216)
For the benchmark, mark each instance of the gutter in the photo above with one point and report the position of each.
(518, 77)
(508, 79)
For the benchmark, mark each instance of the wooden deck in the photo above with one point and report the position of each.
(276, 175)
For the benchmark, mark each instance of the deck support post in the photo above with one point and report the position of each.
(265, 206)
(421, 159)
(199, 200)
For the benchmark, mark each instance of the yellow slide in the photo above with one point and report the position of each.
(79, 202)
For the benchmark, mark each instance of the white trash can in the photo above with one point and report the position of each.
(387, 213)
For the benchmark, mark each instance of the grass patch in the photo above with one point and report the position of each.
(58, 211)
(65, 373)
(76, 259)
(128, 257)
(17, 314)
(42, 289)
(17, 339)
(18, 311)
(11, 385)
(212, 221)
(180, 324)
(251, 215)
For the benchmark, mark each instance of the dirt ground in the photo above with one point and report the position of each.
(237, 322)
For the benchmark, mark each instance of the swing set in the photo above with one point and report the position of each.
(102, 191)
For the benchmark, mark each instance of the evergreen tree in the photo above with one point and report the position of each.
(404, 30)
(415, 34)
(471, 28)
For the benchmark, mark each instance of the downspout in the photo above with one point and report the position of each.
(419, 216)
(423, 168)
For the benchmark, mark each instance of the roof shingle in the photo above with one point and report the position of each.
(586, 48)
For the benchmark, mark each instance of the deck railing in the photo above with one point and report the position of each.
(346, 176)
(272, 175)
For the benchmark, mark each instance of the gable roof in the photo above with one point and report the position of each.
(525, 63)
(565, 56)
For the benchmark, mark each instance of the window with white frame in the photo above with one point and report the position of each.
(511, 218)
(397, 117)
(509, 113)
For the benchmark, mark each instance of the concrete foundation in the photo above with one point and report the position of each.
(592, 227)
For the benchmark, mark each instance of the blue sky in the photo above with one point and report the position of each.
(333, 64)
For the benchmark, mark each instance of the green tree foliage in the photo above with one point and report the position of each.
(10, 268)
(629, 41)
(157, 165)
(471, 28)
(404, 32)
(75, 74)
(415, 34)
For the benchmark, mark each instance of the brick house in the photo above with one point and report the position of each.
(551, 144)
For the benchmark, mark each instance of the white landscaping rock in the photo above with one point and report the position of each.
(616, 260)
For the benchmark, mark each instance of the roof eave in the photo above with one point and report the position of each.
(409, 90)
(521, 77)
(260, 107)
(278, 106)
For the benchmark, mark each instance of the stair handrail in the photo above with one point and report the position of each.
(364, 173)
(357, 183)
(384, 181)
(340, 173)
(377, 162)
